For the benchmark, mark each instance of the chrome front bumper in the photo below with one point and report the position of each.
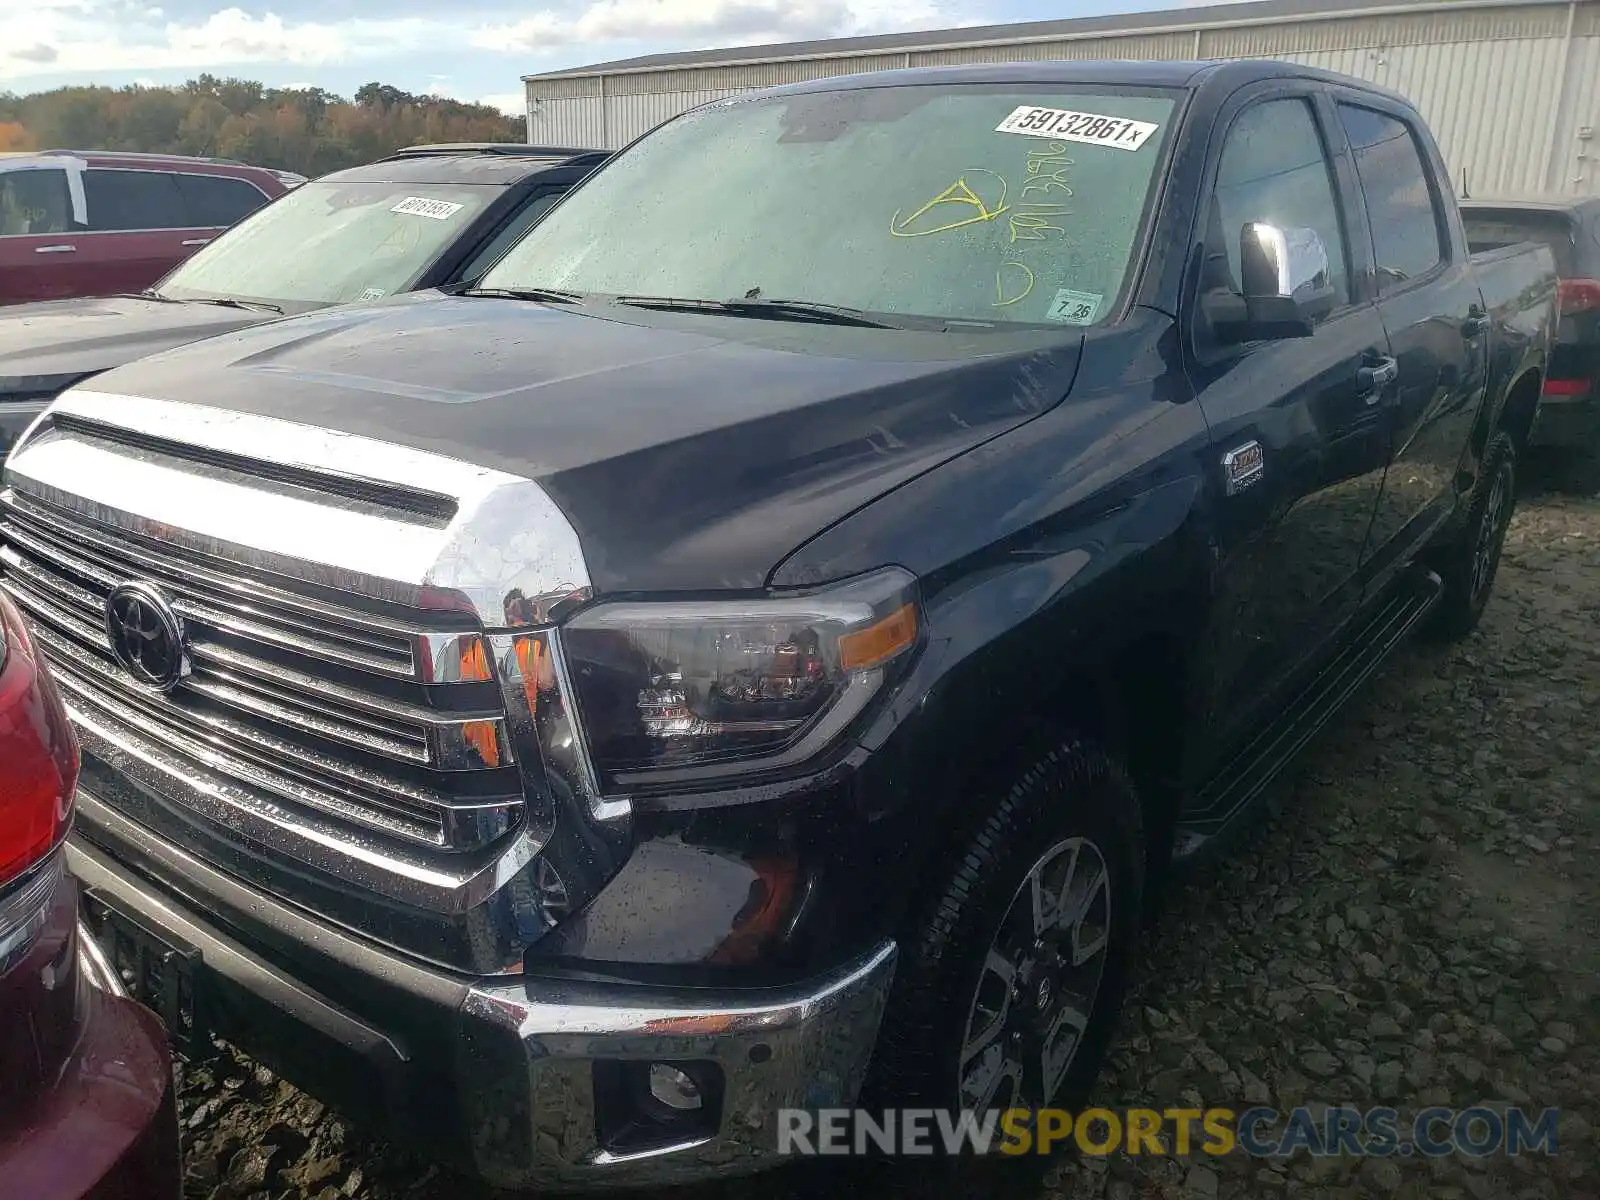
(800, 1047)
(510, 1078)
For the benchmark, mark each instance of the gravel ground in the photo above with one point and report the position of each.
(1417, 923)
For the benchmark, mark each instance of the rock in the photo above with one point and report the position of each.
(1386, 1080)
(1562, 1031)
(1363, 1068)
(1383, 1025)
(1320, 1064)
(1254, 1090)
(1200, 1182)
(1380, 1176)
(249, 1169)
(1552, 1045)
(313, 1172)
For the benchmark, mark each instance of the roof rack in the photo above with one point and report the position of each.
(154, 157)
(509, 149)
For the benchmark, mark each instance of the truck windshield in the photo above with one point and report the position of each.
(1013, 204)
(328, 242)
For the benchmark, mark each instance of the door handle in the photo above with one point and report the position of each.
(1376, 375)
(198, 242)
(55, 249)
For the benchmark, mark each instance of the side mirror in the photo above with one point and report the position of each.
(1286, 291)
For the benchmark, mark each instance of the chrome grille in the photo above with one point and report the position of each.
(308, 701)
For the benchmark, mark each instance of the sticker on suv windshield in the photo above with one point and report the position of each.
(1064, 125)
(1074, 308)
(439, 210)
(372, 294)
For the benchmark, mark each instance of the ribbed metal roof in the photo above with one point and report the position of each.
(1191, 17)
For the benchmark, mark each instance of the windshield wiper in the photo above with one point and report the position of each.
(219, 301)
(775, 310)
(547, 295)
(230, 302)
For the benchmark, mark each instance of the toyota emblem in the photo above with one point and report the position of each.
(146, 636)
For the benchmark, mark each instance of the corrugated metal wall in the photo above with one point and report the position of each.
(1512, 98)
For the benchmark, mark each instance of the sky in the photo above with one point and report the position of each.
(476, 50)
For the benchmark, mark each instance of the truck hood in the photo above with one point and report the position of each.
(688, 451)
(73, 339)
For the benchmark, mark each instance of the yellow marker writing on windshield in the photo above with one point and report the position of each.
(961, 196)
(1039, 219)
(1046, 171)
(1013, 282)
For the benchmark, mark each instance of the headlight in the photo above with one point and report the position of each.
(722, 687)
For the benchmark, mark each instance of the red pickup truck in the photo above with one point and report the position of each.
(95, 224)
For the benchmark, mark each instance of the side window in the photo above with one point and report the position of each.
(1274, 169)
(1400, 204)
(133, 200)
(35, 201)
(525, 220)
(216, 201)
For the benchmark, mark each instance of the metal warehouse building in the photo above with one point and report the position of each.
(1511, 87)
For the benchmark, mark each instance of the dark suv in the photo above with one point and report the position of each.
(421, 218)
(1569, 417)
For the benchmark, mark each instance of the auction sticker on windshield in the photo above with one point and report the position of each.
(1075, 308)
(439, 210)
(1064, 125)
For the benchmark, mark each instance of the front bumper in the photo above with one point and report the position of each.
(514, 1079)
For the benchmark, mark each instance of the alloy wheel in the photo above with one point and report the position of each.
(1491, 532)
(1040, 979)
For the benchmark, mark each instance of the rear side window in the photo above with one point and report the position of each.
(1405, 221)
(34, 202)
(121, 200)
(218, 201)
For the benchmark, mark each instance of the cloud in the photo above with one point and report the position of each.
(710, 22)
(513, 104)
(123, 35)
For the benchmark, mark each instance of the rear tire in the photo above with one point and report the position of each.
(1010, 980)
(1469, 562)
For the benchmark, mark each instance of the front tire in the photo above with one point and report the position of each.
(1010, 981)
(1469, 563)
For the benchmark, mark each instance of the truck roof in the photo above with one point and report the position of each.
(468, 164)
(1226, 73)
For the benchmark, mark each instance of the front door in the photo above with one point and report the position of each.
(1429, 302)
(1299, 442)
(37, 234)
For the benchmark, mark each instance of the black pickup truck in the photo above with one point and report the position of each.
(765, 645)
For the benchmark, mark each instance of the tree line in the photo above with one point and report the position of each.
(308, 130)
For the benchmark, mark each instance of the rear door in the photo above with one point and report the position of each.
(1290, 531)
(1431, 308)
(138, 227)
(214, 202)
(39, 238)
